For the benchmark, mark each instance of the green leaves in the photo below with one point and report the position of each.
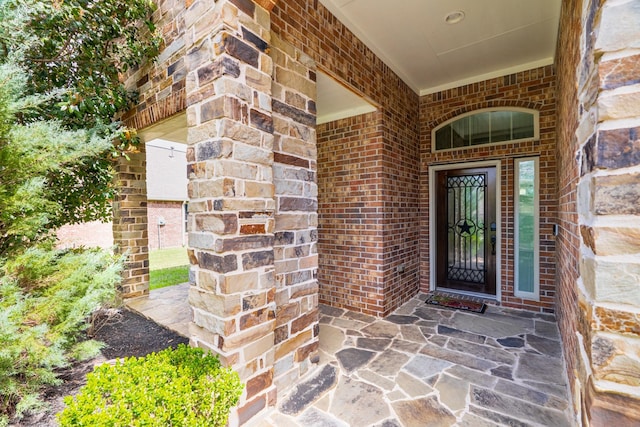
(61, 64)
(84, 47)
(49, 175)
(181, 387)
(46, 297)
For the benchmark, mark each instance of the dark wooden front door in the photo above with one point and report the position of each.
(466, 237)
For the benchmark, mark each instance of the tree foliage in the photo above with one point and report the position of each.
(83, 47)
(46, 297)
(60, 89)
(31, 154)
(74, 54)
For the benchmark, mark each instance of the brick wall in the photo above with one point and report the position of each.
(169, 235)
(161, 84)
(312, 29)
(89, 234)
(599, 193)
(130, 222)
(351, 213)
(534, 89)
(100, 234)
(568, 240)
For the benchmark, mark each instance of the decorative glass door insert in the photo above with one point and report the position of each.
(466, 230)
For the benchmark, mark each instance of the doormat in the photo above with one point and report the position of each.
(456, 303)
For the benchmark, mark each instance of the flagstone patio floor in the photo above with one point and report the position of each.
(421, 366)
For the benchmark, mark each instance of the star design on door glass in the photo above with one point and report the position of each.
(465, 227)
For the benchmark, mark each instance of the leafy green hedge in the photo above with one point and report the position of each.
(181, 387)
(46, 297)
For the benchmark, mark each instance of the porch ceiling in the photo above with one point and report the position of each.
(495, 38)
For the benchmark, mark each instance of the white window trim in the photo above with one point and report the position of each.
(535, 295)
(536, 128)
(432, 223)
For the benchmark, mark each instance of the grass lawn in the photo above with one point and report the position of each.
(170, 257)
(168, 276)
(168, 267)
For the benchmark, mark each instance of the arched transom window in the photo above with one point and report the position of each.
(487, 126)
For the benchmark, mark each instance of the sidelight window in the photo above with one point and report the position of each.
(526, 238)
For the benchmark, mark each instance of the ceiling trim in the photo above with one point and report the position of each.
(482, 77)
(363, 109)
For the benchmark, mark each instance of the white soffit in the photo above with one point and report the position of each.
(496, 37)
(334, 101)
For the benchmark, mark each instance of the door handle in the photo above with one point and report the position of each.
(493, 228)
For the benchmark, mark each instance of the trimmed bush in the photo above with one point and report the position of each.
(181, 387)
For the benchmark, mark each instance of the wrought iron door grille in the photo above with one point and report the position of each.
(466, 228)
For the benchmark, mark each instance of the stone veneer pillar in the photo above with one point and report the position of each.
(130, 223)
(232, 208)
(609, 212)
(296, 226)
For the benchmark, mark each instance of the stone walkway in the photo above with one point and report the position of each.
(168, 307)
(421, 366)
(428, 366)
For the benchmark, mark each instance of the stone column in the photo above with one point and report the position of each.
(130, 222)
(296, 226)
(231, 191)
(609, 211)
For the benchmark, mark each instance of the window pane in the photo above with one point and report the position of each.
(443, 138)
(526, 225)
(500, 126)
(460, 129)
(522, 125)
(479, 125)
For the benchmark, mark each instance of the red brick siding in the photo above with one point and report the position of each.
(533, 89)
(170, 235)
(89, 234)
(310, 27)
(351, 213)
(161, 83)
(568, 240)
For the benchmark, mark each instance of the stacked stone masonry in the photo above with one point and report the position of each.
(266, 202)
(602, 225)
(296, 219)
(231, 191)
(129, 226)
(392, 194)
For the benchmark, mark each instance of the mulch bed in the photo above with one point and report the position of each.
(125, 334)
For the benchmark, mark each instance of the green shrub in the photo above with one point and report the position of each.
(181, 387)
(46, 297)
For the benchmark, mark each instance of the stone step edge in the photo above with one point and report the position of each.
(309, 391)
